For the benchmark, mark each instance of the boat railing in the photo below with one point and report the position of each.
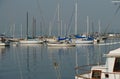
(112, 73)
(85, 68)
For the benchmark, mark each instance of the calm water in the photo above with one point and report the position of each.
(42, 62)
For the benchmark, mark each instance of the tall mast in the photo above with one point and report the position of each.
(27, 26)
(99, 26)
(61, 28)
(87, 25)
(50, 25)
(58, 19)
(65, 29)
(21, 30)
(75, 16)
(13, 30)
(34, 27)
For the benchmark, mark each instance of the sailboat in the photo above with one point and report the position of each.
(4, 41)
(111, 69)
(81, 39)
(60, 41)
(61, 44)
(29, 40)
(98, 37)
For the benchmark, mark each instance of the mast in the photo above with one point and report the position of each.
(58, 19)
(13, 30)
(76, 17)
(50, 25)
(65, 29)
(92, 28)
(87, 25)
(21, 30)
(34, 27)
(27, 27)
(99, 26)
(61, 28)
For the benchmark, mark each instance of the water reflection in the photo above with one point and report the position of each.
(2, 51)
(62, 60)
(39, 61)
(27, 58)
(55, 58)
(88, 55)
(92, 54)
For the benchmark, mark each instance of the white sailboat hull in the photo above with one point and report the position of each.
(84, 42)
(60, 45)
(31, 41)
(4, 43)
(51, 40)
(80, 41)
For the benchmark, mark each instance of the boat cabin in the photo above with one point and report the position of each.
(111, 70)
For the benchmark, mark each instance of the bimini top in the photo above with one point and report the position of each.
(114, 53)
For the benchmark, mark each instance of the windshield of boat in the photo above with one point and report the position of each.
(117, 65)
(96, 74)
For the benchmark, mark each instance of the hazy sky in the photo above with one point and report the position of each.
(14, 12)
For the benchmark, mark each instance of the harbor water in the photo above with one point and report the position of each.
(42, 62)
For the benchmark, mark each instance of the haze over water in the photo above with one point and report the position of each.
(14, 12)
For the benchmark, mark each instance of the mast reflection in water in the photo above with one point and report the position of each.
(40, 61)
